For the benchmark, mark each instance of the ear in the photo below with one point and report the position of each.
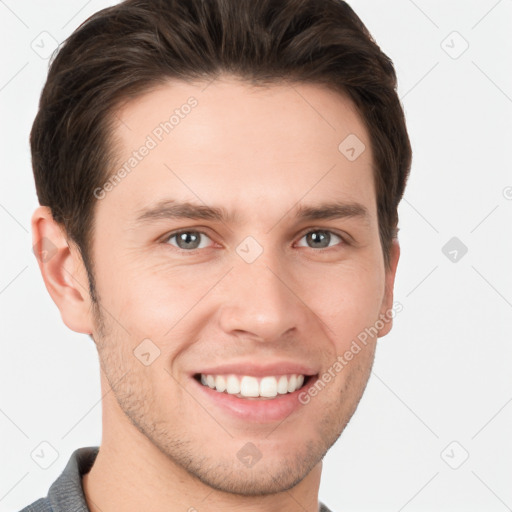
(63, 271)
(387, 301)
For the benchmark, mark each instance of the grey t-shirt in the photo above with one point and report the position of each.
(66, 493)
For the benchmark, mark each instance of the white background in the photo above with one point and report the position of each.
(442, 374)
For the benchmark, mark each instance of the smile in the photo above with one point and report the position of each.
(246, 386)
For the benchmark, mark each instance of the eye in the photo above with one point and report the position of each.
(191, 240)
(320, 238)
(187, 240)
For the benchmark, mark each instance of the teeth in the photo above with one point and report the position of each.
(220, 383)
(268, 387)
(282, 385)
(233, 385)
(249, 387)
(252, 387)
(292, 383)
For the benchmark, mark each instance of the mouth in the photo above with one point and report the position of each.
(250, 387)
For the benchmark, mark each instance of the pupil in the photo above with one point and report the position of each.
(323, 237)
(186, 239)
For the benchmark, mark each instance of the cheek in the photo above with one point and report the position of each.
(349, 306)
(347, 300)
(162, 303)
(150, 301)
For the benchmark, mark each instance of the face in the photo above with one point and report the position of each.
(273, 268)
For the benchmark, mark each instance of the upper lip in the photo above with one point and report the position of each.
(259, 370)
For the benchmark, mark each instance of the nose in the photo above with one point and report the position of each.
(261, 301)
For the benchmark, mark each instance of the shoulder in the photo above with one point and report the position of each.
(41, 505)
(66, 493)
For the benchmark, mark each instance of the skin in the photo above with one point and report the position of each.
(259, 152)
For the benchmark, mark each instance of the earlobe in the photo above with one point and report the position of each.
(63, 271)
(387, 303)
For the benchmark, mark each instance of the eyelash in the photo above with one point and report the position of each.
(174, 234)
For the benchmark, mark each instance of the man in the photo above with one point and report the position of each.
(219, 183)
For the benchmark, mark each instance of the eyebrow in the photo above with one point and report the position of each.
(172, 209)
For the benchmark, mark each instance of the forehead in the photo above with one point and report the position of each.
(227, 142)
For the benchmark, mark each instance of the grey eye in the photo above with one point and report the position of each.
(320, 239)
(188, 240)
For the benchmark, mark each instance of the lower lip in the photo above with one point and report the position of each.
(256, 410)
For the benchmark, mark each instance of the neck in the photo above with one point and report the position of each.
(130, 472)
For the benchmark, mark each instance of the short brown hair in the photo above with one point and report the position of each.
(123, 51)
